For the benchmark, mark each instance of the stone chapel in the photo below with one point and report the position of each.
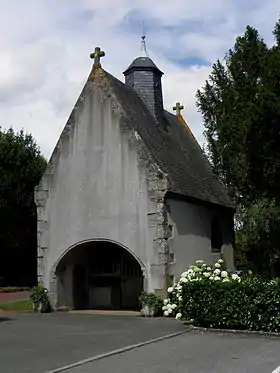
(128, 200)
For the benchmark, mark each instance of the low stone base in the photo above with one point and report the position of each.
(62, 309)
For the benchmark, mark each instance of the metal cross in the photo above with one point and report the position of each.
(96, 55)
(178, 107)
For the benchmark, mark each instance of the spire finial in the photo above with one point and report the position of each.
(143, 41)
(96, 55)
(178, 107)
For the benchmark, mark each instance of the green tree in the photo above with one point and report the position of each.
(21, 167)
(228, 104)
(240, 105)
(258, 238)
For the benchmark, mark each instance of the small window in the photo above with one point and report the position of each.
(171, 257)
(216, 236)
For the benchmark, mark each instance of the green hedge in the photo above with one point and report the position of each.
(13, 289)
(249, 304)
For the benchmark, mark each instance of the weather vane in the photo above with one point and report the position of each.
(143, 41)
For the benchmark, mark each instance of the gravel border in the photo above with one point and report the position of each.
(230, 331)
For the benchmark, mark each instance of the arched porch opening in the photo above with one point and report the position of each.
(99, 275)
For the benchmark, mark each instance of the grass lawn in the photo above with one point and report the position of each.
(16, 305)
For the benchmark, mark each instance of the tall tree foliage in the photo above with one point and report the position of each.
(258, 237)
(21, 167)
(240, 105)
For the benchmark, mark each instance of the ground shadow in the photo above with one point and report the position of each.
(4, 318)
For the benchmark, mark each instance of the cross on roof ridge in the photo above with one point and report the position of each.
(96, 55)
(178, 107)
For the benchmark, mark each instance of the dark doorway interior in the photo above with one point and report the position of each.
(80, 286)
(104, 276)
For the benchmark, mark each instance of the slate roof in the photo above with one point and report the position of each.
(142, 62)
(173, 148)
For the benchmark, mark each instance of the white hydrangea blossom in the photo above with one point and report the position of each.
(198, 272)
(235, 277)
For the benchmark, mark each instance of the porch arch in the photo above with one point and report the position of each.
(98, 274)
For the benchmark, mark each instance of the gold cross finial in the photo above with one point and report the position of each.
(178, 107)
(96, 55)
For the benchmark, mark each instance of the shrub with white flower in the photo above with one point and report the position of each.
(198, 272)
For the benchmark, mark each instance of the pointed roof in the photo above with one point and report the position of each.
(171, 145)
(173, 148)
(142, 63)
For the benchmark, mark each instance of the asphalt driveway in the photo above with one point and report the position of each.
(37, 343)
(196, 352)
(40, 343)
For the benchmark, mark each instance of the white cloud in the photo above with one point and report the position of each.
(45, 47)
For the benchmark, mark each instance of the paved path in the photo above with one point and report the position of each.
(33, 343)
(195, 352)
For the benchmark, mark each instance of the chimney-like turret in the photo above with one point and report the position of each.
(145, 78)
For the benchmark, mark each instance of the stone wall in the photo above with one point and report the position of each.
(101, 183)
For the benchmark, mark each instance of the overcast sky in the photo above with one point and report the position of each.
(45, 47)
